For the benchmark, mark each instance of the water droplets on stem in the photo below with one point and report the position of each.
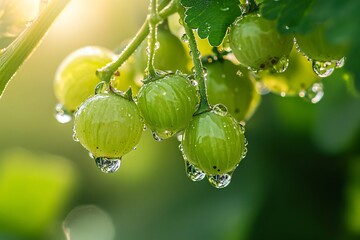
(220, 180)
(61, 114)
(108, 165)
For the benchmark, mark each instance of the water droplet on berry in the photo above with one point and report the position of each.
(220, 180)
(281, 65)
(193, 172)
(144, 128)
(74, 136)
(220, 109)
(244, 152)
(323, 69)
(242, 127)
(340, 63)
(101, 87)
(108, 165)
(134, 148)
(225, 8)
(315, 93)
(181, 149)
(61, 114)
(179, 137)
(156, 137)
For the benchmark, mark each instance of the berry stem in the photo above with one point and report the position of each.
(105, 73)
(21, 48)
(198, 66)
(152, 38)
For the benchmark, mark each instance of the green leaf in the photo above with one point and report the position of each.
(211, 18)
(291, 14)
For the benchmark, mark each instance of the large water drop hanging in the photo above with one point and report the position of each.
(220, 180)
(323, 69)
(193, 172)
(108, 165)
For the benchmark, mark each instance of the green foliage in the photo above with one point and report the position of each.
(211, 18)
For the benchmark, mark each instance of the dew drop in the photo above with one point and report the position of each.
(157, 45)
(61, 114)
(181, 149)
(323, 69)
(220, 109)
(194, 83)
(281, 65)
(340, 63)
(245, 7)
(220, 180)
(185, 37)
(144, 128)
(179, 137)
(242, 128)
(156, 137)
(315, 93)
(74, 136)
(134, 148)
(243, 155)
(100, 87)
(147, 50)
(225, 8)
(108, 165)
(193, 172)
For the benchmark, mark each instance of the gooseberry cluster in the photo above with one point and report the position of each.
(205, 102)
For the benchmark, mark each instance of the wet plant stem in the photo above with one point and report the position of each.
(105, 73)
(20, 49)
(152, 38)
(198, 66)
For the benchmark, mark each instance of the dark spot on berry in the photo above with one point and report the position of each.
(262, 66)
(214, 167)
(273, 61)
(302, 85)
(117, 73)
(97, 147)
(218, 170)
(237, 110)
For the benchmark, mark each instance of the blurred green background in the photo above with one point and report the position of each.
(300, 179)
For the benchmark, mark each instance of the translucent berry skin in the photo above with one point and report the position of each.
(75, 79)
(315, 46)
(298, 77)
(167, 104)
(214, 143)
(108, 125)
(232, 86)
(257, 44)
(126, 77)
(170, 55)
